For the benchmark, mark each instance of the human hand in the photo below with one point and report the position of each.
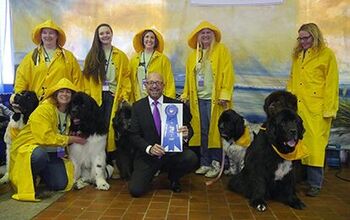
(157, 150)
(184, 131)
(76, 139)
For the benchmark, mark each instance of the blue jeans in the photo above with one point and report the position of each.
(314, 176)
(50, 168)
(207, 155)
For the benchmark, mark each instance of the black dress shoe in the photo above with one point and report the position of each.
(175, 186)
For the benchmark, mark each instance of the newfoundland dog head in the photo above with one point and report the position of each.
(24, 103)
(279, 100)
(284, 130)
(122, 121)
(86, 116)
(231, 125)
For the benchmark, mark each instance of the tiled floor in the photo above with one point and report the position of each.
(197, 201)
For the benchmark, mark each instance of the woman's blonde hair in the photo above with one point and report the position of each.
(318, 41)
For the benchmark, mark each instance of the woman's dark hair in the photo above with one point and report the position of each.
(155, 39)
(95, 60)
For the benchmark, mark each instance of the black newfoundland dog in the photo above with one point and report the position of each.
(266, 173)
(235, 137)
(124, 155)
(89, 159)
(24, 103)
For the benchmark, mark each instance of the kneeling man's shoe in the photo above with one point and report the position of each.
(175, 186)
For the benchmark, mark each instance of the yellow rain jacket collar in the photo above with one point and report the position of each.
(137, 41)
(192, 39)
(36, 36)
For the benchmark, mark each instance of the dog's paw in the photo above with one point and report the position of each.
(79, 184)
(259, 205)
(102, 184)
(4, 179)
(297, 204)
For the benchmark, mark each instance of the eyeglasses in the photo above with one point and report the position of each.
(157, 83)
(304, 38)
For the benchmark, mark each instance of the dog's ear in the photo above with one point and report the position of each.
(271, 129)
(301, 129)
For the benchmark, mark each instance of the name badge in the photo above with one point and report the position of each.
(200, 80)
(144, 84)
(105, 86)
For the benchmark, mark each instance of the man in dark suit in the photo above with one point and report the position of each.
(150, 155)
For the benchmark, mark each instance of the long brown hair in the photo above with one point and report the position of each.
(95, 60)
(318, 41)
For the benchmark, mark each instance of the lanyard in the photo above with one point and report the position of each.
(46, 56)
(107, 61)
(144, 61)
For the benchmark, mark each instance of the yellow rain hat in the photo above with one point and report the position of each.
(192, 39)
(64, 83)
(36, 36)
(137, 41)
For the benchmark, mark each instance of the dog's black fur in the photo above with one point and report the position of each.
(125, 152)
(27, 102)
(86, 116)
(258, 180)
(279, 100)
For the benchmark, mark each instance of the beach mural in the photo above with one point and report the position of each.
(260, 37)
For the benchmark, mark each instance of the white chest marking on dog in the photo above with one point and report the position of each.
(283, 169)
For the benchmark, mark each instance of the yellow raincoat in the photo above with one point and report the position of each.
(41, 129)
(122, 92)
(35, 75)
(315, 81)
(222, 89)
(159, 63)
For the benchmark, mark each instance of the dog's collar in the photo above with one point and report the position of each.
(245, 139)
(299, 152)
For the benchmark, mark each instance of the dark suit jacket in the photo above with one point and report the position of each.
(143, 130)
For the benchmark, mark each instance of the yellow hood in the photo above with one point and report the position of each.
(64, 83)
(137, 41)
(36, 36)
(192, 39)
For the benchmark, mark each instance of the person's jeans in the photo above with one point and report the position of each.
(207, 155)
(314, 176)
(50, 168)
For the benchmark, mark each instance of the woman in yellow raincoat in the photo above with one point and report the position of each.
(43, 67)
(314, 79)
(106, 79)
(208, 89)
(38, 150)
(149, 46)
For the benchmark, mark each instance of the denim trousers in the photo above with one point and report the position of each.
(315, 176)
(207, 155)
(50, 168)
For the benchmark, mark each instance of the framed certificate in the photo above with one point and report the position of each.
(172, 119)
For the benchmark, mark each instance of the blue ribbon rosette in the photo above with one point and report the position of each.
(171, 138)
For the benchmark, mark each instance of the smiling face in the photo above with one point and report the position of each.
(154, 85)
(49, 38)
(305, 39)
(63, 97)
(149, 41)
(105, 35)
(205, 37)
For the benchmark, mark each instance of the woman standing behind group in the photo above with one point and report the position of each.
(43, 67)
(106, 76)
(149, 45)
(314, 79)
(208, 89)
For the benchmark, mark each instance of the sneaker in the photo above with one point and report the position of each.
(214, 170)
(313, 191)
(109, 171)
(203, 170)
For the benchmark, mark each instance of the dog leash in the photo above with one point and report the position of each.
(208, 183)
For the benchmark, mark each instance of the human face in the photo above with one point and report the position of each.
(49, 38)
(105, 35)
(154, 86)
(149, 41)
(305, 39)
(205, 37)
(64, 97)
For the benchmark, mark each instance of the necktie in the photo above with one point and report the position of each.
(156, 116)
